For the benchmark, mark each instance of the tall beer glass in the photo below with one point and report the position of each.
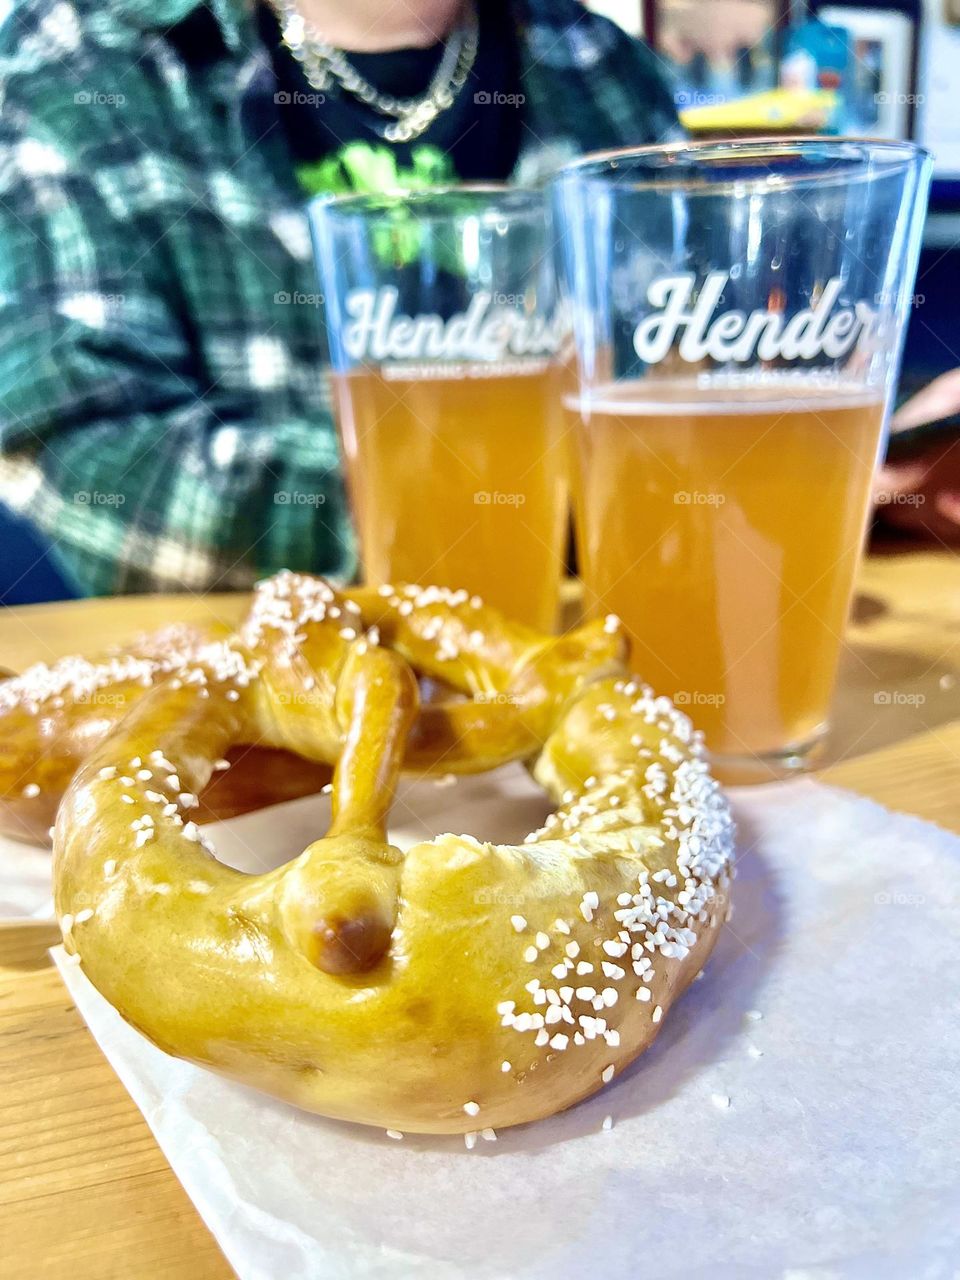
(739, 310)
(445, 337)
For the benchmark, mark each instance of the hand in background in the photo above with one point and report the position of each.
(921, 494)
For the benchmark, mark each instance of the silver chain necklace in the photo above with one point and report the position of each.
(323, 64)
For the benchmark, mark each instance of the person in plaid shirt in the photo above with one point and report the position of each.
(163, 393)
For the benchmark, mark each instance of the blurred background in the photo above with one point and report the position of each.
(743, 67)
(751, 67)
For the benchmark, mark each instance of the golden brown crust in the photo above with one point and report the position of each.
(457, 987)
(53, 717)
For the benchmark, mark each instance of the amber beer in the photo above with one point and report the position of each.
(458, 477)
(724, 528)
(738, 311)
(447, 331)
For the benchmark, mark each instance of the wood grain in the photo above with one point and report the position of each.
(900, 669)
(45, 632)
(919, 776)
(84, 1190)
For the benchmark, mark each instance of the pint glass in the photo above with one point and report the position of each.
(446, 342)
(739, 309)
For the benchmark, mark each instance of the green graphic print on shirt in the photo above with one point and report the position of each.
(359, 167)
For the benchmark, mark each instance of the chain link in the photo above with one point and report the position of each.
(323, 64)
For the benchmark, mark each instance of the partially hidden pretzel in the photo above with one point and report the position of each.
(461, 987)
(53, 715)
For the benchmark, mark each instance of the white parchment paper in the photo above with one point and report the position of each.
(798, 1116)
(24, 881)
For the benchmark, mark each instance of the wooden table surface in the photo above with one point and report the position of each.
(84, 1190)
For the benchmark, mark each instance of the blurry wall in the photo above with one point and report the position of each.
(627, 13)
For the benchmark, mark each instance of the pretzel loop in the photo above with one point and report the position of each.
(412, 991)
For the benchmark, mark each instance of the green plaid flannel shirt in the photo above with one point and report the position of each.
(164, 409)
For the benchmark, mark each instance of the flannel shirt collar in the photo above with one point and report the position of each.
(233, 17)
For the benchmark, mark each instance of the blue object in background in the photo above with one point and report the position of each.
(27, 571)
(818, 57)
(931, 346)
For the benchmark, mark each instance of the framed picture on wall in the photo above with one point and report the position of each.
(938, 120)
(879, 97)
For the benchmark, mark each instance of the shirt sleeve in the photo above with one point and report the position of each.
(141, 477)
(638, 86)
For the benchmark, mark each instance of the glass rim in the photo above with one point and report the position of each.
(702, 152)
(494, 198)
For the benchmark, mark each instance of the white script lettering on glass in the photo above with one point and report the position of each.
(738, 336)
(376, 331)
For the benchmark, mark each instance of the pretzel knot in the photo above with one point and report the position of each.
(463, 985)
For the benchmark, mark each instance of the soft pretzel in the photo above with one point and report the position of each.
(461, 987)
(53, 716)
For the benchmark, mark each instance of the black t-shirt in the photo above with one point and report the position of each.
(478, 137)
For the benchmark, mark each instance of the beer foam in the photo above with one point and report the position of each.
(661, 397)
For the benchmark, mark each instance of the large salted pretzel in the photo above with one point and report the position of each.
(462, 986)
